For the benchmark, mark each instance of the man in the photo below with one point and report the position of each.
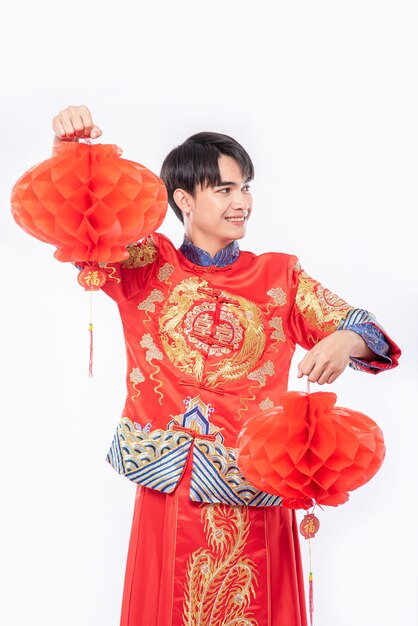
(210, 334)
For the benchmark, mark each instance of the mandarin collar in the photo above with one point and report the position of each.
(198, 256)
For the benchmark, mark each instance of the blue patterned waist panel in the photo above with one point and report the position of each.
(157, 458)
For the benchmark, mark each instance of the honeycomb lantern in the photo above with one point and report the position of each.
(89, 202)
(308, 450)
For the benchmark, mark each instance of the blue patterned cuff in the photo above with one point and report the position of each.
(365, 324)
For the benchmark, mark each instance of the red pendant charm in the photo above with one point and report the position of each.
(92, 278)
(309, 526)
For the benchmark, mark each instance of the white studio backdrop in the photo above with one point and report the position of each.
(323, 94)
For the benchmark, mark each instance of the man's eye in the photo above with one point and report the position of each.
(246, 188)
(225, 190)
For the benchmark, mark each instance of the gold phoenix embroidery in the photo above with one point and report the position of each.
(220, 580)
(141, 254)
(322, 308)
(153, 353)
(189, 359)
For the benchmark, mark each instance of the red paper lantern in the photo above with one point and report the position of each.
(89, 203)
(309, 451)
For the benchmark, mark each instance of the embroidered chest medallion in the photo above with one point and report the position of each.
(198, 322)
(211, 335)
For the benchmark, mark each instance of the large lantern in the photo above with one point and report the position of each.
(89, 203)
(309, 451)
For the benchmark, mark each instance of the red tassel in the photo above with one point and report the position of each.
(91, 350)
(311, 604)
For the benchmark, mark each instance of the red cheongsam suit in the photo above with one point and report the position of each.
(208, 347)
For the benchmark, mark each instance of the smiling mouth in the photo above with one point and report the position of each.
(236, 219)
(239, 219)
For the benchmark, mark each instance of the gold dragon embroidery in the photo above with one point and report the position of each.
(187, 357)
(141, 254)
(322, 308)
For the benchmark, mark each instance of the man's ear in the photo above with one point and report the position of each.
(184, 200)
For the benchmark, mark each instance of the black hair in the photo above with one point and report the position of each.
(195, 162)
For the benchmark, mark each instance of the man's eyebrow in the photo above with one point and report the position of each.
(231, 183)
(224, 183)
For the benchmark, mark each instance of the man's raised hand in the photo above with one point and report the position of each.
(73, 123)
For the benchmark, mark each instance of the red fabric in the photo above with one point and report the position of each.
(271, 311)
(167, 529)
(223, 339)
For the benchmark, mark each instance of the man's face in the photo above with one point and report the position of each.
(216, 216)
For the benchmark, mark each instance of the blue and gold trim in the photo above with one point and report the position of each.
(154, 459)
(365, 324)
(157, 458)
(217, 479)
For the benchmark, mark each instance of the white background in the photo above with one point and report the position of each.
(323, 94)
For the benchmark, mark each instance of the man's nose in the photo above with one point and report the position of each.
(240, 201)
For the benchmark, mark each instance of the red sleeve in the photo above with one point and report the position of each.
(128, 278)
(315, 312)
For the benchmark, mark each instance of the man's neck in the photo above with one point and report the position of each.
(200, 256)
(208, 245)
